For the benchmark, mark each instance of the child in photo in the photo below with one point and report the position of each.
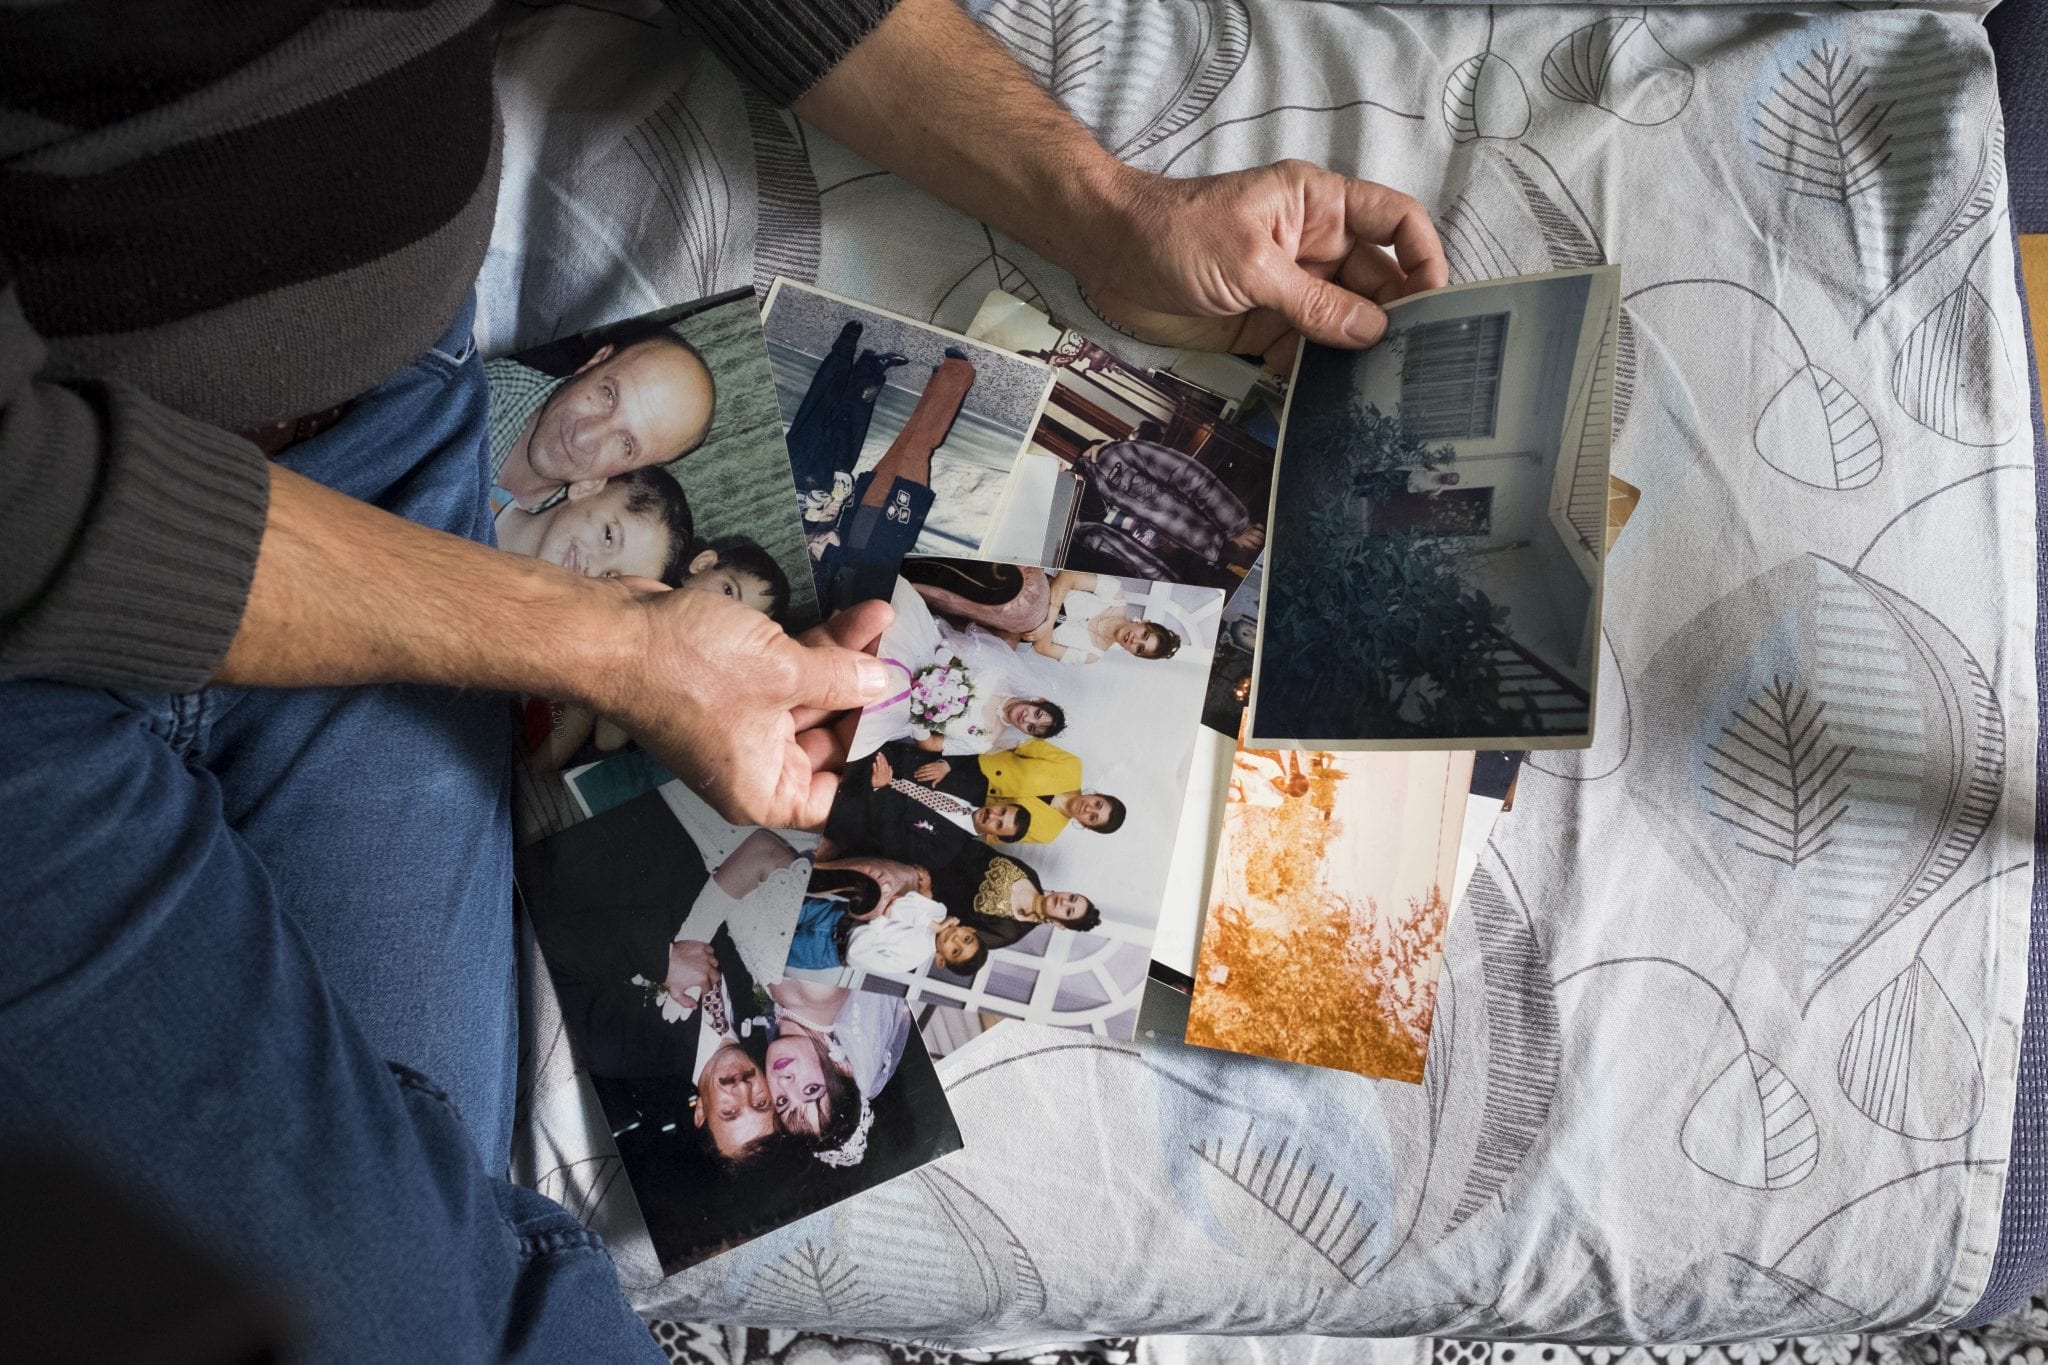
(632, 525)
(738, 569)
(849, 921)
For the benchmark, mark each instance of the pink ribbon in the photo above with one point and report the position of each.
(880, 705)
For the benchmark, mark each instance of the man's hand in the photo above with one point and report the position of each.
(1250, 538)
(720, 695)
(932, 773)
(892, 877)
(1236, 262)
(715, 691)
(691, 967)
(881, 774)
(1244, 261)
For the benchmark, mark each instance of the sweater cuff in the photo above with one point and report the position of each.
(783, 47)
(152, 592)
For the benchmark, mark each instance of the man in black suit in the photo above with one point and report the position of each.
(607, 898)
(879, 810)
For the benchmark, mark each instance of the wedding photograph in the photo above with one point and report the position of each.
(1010, 812)
(1332, 888)
(738, 1101)
(1440, 526)
(901, 436)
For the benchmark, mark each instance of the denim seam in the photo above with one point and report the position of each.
(534, 1246)
(187, 714)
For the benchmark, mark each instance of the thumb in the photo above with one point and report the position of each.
(1320, 309)
(831, 677)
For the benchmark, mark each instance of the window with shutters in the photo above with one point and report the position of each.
(1450, 377)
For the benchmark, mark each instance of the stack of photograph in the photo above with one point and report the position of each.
(1430, 609)
(733, 1101)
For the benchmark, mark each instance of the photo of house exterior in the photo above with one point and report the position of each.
(1439, 523)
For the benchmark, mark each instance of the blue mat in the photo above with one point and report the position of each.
(2019, 39)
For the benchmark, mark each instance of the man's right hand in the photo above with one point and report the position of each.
(932, 773)
(719, 694)
(691, 967)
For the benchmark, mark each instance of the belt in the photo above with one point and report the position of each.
(275, 439)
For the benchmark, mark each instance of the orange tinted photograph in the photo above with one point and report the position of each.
(1332, 888)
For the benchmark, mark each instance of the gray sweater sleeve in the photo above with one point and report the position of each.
(128, 533)
(782, 47)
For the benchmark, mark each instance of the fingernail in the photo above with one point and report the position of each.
(874, 677)
(1364, 324)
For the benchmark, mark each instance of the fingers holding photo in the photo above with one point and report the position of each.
(858, 628)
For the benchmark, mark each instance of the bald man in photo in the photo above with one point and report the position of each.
(625, 408)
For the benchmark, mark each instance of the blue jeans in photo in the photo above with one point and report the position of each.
(258, 968)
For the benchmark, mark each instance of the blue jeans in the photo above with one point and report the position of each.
(257, 962)
(812, 947)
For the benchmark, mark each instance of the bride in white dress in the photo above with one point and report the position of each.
(832, 1053)
(1001, 713)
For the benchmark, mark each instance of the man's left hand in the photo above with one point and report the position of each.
(1242, 262)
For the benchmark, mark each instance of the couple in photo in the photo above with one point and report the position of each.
(1076, 618)
(670, 1023)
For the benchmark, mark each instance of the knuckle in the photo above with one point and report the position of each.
(1320, 309)
(777, 673)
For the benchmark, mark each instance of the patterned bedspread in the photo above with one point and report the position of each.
(1729, 1038)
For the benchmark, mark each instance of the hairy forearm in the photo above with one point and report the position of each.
(937, 101)
(345, 594)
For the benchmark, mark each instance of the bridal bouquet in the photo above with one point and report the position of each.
(940, 694)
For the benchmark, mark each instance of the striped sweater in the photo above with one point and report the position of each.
(183, 183)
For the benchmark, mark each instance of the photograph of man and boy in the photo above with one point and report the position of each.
(738, 1102)
(901, 436)
(1136, 471)
(1439, 526)
(1005, 823)
(649, 449)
